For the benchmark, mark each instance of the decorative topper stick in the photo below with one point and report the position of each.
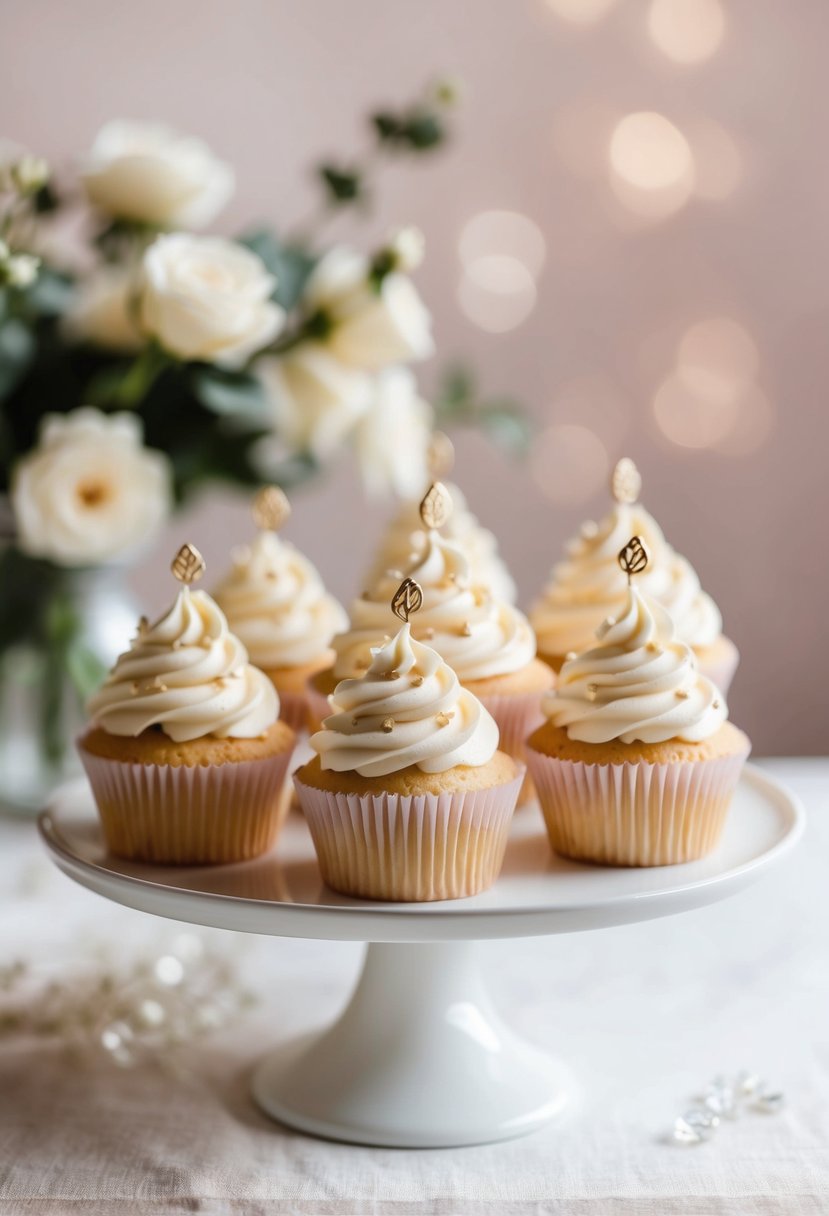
(188, 565)
(440, 456)
(436, 507)
(408, 598)
(271, 509)
(633, 558)
(626, 482)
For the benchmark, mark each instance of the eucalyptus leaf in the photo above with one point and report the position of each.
(17, 347)
(289, 264)
(50, 293)
(230, 393)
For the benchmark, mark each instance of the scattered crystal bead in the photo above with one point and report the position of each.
(695, 1126)
(768, 1101)
(169, 970)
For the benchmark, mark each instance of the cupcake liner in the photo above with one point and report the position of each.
(720, 671)
(635, 814)
(517, 716)
(293, 710)
(196, 815)
(410, 847)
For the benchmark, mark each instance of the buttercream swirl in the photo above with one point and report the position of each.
(408, 709)
(588, 585)
(405, 542)
(640, 684)
(190, 676)
(275, 602)
(478, 635)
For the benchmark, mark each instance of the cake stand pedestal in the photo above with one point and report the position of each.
(419, 1058)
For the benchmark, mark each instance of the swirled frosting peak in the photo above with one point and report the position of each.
(478, 635)
(408, 709)
(276, 603)
(588, 585)
(639, 684)
(190, 676)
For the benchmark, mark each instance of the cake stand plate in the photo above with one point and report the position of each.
(419, 1057)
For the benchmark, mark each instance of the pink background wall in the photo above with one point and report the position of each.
(272, 85)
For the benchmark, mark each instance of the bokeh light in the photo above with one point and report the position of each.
(503, 232)
(502, 253)
(687, 31)
(718, 161)
(717, 358)
(595, 401)
(688, 417)
(752, 426)
(581, 12)
(581, 135)
(569, 463)
(651, 165)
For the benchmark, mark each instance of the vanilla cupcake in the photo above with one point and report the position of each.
(588, 586)
(185, 753)
(408, 797)
(637, 763)
(486, 641)
(275, 602)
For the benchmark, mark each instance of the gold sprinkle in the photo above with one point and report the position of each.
(682, 694)
(238, 673)
(177, 643)
(417, 681)
(466, 630)
(428, 634)
(652, 647)
(270, 574)
(220, 682)
(388, 726)
(715, 704)
(143, 623)
(355, 721)
(391, 675)
(592, 689)
(362, 664)
(444, 718)
(571, 654)
(135, 688)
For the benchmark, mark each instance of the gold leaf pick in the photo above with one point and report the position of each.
(408, 598)
(436, 506)
(440, 456)
(188, 565)
(626, 482)
(271, 509)
(633, 558)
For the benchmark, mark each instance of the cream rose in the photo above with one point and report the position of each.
(207, 298)
(392, 438)
(152, 174)
(90, 491)
(100, 311)
(372, 325)
(315, 399)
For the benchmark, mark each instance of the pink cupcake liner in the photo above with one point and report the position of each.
(635, 814)
(517, 716)
(721, 671)
(189, 815)
(410, 848)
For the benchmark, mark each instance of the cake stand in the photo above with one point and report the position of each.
(419, 1058)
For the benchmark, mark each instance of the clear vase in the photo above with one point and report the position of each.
(43, 683)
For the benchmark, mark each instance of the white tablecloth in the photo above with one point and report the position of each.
(646, 1014)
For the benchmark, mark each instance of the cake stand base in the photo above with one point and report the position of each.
(418, 1059)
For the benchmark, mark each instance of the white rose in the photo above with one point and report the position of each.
(90, 491)
(315, 400)
(101, 310)
(407, 246)
(372, 325)
(393, 437)
(207, 298)
(152, 174)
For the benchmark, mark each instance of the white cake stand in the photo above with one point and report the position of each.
(419, 1058)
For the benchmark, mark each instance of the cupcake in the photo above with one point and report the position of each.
(636, 764)
(276, 604)
(487, 642)
(588, 586)
(185, 753)
(408, 797)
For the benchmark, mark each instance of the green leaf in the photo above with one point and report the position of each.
(387, 125)
(289, 264)
(230, 393)
(508, 426)
(86, 671)
(424, 130)
(50, 293)
(17, 347)
(343, 186)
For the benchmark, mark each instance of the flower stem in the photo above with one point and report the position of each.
(141, 376)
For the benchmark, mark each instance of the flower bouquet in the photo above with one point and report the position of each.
(141, 359)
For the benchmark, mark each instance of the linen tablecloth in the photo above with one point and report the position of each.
(646, 1015)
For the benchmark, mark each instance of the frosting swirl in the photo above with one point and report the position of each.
(408, 709)
(588, 585)
(189, 675)
(276, 603)
(405, 542)
(478, 635)
(639, 685)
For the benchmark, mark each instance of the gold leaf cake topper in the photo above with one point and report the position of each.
(626, 482)
(633, 558)
(436, 507)
(440, 456)
(188, 565)
(271, 509)
(408, 598)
